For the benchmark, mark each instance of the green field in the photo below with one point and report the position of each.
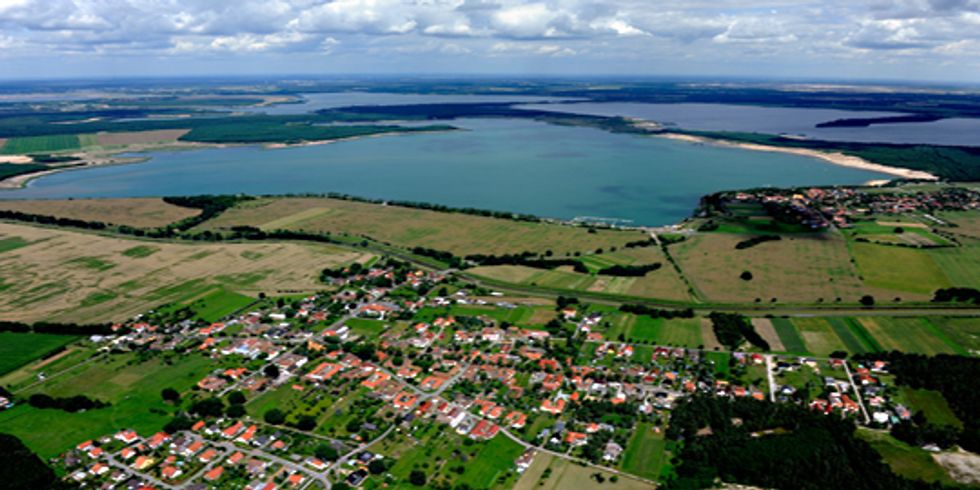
(910, 462)
(910, 335)
(18, 349)
(12, 243)
(854, 335)
(644, 455)
(132, 388)
(932, 404)
(12, 169)
(964, 332)
(899, 269)
(40, 144)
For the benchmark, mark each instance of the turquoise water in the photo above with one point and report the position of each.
(513, 165)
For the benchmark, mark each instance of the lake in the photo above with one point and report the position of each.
(779, 120)
(312, 102)
(512, 165)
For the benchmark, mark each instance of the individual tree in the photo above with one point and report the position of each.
(271, 371)
(170, 395)
(235, 411)
(377, 466)
(326, 452)
(306, 423)
(274, 417)
(746, 276)
(417, 478)
(236, 398)
(867, 300)
(208, 407)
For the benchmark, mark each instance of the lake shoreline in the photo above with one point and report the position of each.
(835, 158)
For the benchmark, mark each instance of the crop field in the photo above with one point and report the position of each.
(899, 269)
(964, 332)
(790, 338)
(857, 339)
(910, 335)
(12, 169)
(133, 389)
(644, 454)
(460, 234)
(798, 268)
(675, 332)
(819, 336)
(64, 275)
(136, 212)
(18, 349)
(40, 144)
(967, 222)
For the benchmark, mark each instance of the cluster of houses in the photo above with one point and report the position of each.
(821, 207)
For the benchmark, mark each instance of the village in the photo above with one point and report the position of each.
(820, 208)
(313, 385)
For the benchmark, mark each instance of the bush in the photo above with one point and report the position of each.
(867, 300)
(208, 407)
(326, 452)
(746, 276)
(306, 423)
(235, 411)
(236, 398)
(170, 395)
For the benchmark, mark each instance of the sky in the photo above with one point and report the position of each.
(914, 40)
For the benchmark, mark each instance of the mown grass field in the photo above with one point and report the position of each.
(135, 212)
(910, 272)
(66, 275)
(663, 283)
(644, 455)
(460, 234)
(18, 349)
(964, 332)
(798, 268)
(684, 332)
(132, 388)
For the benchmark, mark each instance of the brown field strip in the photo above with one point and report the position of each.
(136, 212)
(765, 329)
(140, 137)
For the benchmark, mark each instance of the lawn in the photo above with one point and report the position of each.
(550, 473)
(366, 328)
(219, 304)
(720, 360)
(645, 452)
(18, 349)
(461, 234)
(132, 388)
(789, 336)
(495, 457)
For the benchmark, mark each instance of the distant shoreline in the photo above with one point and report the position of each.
(835, 158)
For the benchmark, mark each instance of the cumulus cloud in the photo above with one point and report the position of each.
(735, 31)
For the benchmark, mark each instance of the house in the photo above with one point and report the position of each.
(404, 400)
(575, 439)
(99, 469)
(516, 420)
(484, 430)
(158, 440)
(207, 456)
(295, 480)
(211, 383)
(127, 436)
(214, 474)
(554, 408)
(142, 463)
(612, 451)
(323, 372)
(171, 472)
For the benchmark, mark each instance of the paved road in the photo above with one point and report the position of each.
(772, 378)
(857, 393)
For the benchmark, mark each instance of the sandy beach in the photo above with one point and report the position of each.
(829, 157)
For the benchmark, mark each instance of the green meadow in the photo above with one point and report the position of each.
(18, 349)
